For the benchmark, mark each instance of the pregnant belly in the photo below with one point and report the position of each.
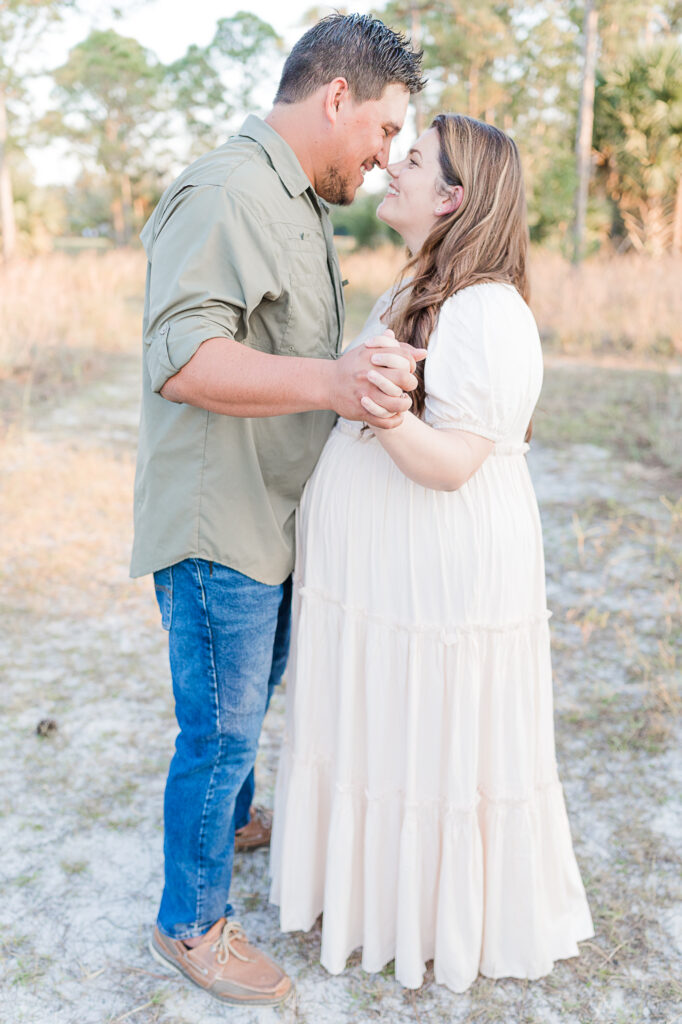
(371, 539)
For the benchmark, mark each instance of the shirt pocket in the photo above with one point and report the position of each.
(312, 328)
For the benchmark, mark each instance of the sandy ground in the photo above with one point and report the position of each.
(80, 809)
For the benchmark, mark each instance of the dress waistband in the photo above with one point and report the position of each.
(510, 448)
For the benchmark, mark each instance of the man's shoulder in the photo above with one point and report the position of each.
(239, 167)
(236, 174)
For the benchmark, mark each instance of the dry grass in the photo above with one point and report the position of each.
(636, 413)
(90, 300)
(57, 310)
(628, 305)
(60, 317)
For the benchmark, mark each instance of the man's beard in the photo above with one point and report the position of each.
(336, 188)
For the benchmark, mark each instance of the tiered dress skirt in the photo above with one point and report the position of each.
(418, 805)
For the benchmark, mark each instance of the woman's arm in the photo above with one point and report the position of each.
(441, 459)
(437, 458)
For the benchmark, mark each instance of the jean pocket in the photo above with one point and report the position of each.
(163, 585)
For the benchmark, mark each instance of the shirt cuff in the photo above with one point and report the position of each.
(174, 344)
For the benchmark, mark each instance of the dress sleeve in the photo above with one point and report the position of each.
(480, 369)
(210, 264)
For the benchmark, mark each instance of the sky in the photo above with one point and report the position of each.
(158, 26)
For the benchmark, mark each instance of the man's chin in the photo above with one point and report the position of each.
(347, 197)
(337, 190)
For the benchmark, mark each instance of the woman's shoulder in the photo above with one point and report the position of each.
(487, 324)
(482, 297)
(491, 307)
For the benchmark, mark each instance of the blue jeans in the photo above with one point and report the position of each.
(228, 644)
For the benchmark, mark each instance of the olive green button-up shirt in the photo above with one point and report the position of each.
(239, 246)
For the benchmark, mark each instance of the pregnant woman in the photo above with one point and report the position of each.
(418, 805)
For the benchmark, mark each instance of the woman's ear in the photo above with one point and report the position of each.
(451, 202)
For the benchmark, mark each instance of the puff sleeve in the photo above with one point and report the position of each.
(483, 370)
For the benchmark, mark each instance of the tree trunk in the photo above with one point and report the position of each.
(677, 219)
(473, 90)
(7, 221)
(583, 145)
(126, 207)
(416, 45)
(657, 231)
(118, 219)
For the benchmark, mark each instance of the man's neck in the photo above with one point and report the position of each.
(293, 122)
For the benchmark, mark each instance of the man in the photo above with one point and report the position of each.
(242, 328)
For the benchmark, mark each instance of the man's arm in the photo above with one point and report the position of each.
(227, 377)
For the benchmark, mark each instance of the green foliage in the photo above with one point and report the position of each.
(111, 107)
(361, 222)
(108, 93)
(40, 212)
(553, 188)
(211, 85)
(638, 134)
(514, 65)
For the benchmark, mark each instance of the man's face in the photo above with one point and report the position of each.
(362, 138)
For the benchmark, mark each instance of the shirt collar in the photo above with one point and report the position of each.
(282, 156)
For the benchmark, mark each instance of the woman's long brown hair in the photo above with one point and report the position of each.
(484, 239)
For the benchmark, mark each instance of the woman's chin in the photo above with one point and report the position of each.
(385, 215)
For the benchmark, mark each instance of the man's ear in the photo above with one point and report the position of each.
(451, 202)
(337, 93)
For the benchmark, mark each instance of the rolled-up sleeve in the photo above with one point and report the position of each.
(211, 263)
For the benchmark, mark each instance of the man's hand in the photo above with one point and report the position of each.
(363, 393)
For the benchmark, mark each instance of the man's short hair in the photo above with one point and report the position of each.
(357, 47)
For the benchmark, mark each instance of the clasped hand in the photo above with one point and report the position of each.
(379, 396)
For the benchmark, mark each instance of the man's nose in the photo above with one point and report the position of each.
(382, 156)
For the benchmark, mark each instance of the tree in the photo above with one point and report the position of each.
(514, 65)
(464, 49)
(212, 84)
(638, 135)
(583, 145)
(113, 108)
(21, 23)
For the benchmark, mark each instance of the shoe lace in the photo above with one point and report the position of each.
(232, 930)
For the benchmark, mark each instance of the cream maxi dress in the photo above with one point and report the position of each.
(418, 804)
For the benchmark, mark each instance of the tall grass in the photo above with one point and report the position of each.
(627, 305)
(92, 301)
(55, 303)
(61, 313)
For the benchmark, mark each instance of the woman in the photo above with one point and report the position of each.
(418, 804)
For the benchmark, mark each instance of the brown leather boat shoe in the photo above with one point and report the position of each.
(225, 965)
(256, 832)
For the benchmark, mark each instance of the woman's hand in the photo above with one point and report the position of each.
(393, 356)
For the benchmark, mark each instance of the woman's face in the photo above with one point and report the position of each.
(412, 204)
